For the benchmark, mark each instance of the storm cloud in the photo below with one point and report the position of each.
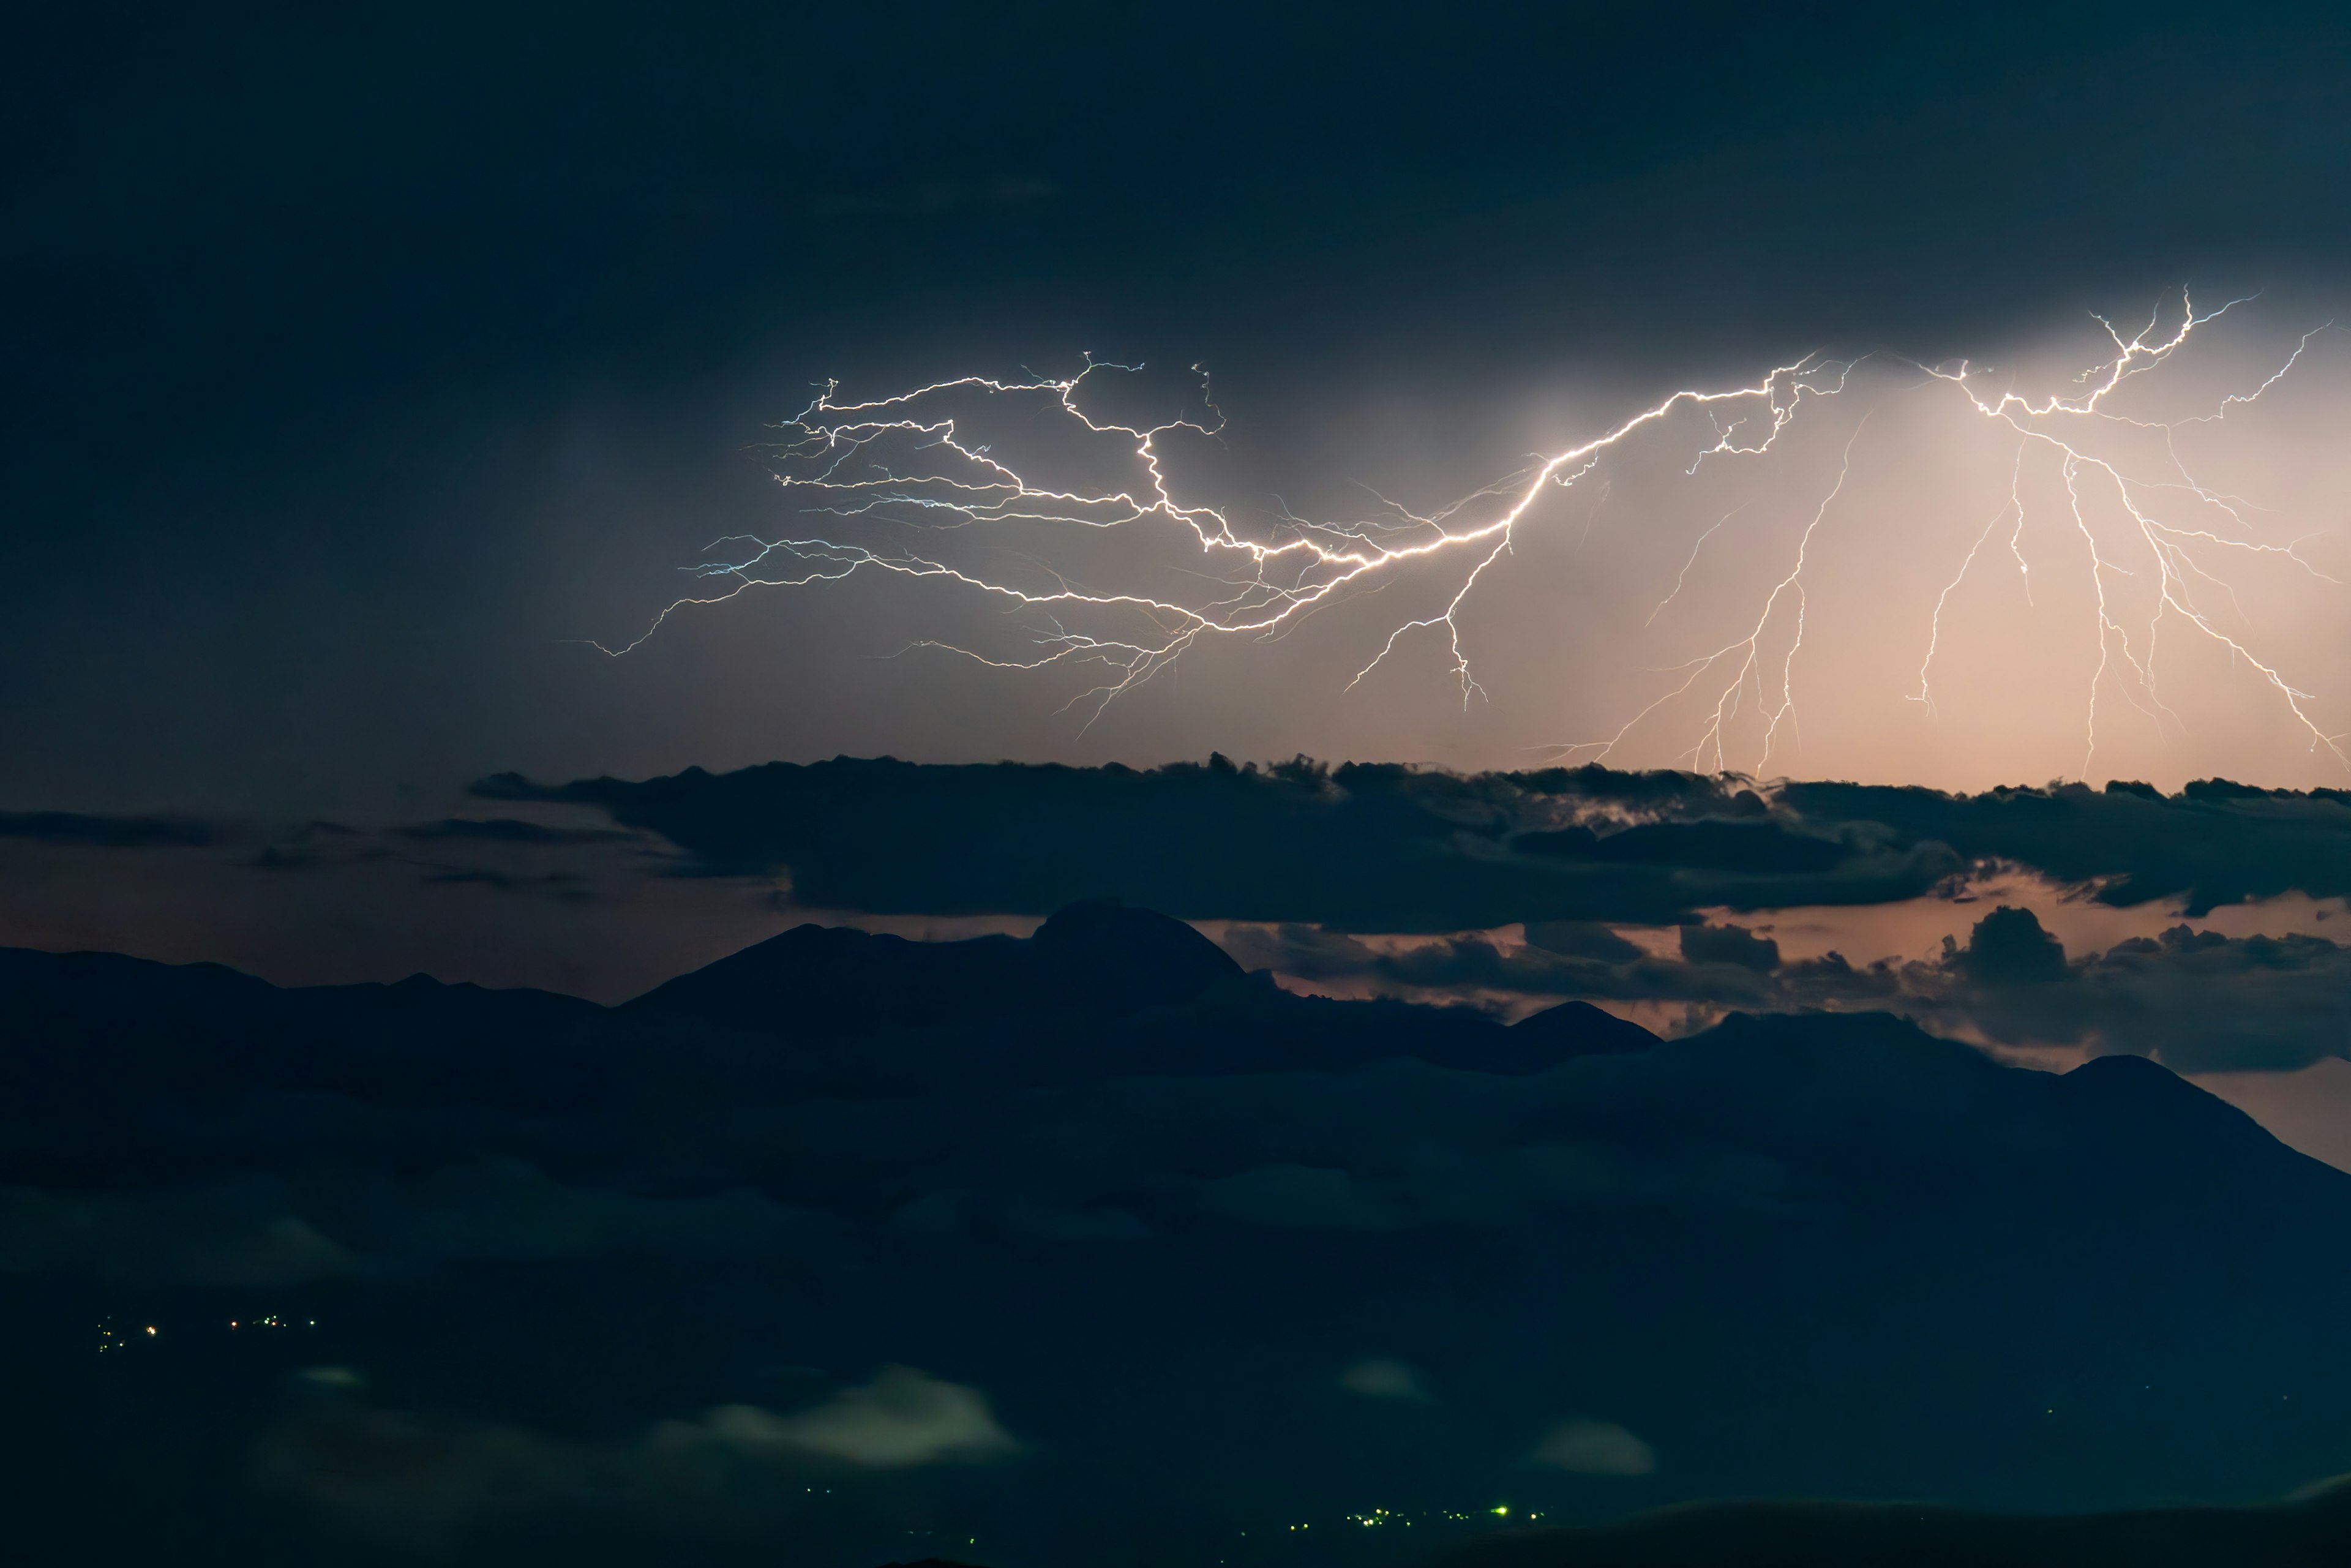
(1385, 848)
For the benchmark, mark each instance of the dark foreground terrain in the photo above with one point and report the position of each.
(2307, 1531)
(1093, 1251)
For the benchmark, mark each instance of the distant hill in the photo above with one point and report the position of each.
(2312, 1531)
(1172, 1267)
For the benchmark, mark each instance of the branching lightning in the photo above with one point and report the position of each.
(2169, 548)
(2015, 502)
(904, 458)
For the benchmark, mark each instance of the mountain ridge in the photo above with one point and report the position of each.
(1201, 1251)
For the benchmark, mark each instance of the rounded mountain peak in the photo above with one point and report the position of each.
(1100, 953)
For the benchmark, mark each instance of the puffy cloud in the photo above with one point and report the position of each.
(1381, 1378)
(2008, 947)
(427, 1478)
(1729, 944)
(1588, 1448)
(901, 1419)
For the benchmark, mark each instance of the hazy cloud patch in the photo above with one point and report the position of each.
(1587, 1447)
(426, 1479)
(235, 1233)
(901, 1419)
(1381, 1378)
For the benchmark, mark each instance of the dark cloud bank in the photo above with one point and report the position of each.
(1391, 848)
(1093, 1249)
(1316, 853)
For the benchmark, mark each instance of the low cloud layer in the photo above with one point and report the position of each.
(2201, 1002)
(1385, 848)
(425, 1481)
(902, 1418)
(1587, 1447)
(2197, 1000)
(1381, 1378)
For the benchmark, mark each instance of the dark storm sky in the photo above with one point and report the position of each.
(355, 362)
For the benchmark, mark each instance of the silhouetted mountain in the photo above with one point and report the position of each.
(1099, 991)
(1577, 1029)
(98, 1028)
(1179, 1255)
(1097, 957)
(817, 981)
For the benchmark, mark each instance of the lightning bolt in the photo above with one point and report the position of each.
(906, 459)
(2015, 502)
(2170, 549)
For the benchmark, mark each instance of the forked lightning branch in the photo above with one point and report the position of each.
(907, 457)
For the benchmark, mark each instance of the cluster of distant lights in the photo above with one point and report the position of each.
(1380, 1516)
(110, 1339)
(1377, 1517)
(1263, 587)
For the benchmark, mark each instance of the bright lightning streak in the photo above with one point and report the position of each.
(851, 457)
(1726, 699)
(2166, 547)
(1682, 576)
(2015, 502)
(1320, 561)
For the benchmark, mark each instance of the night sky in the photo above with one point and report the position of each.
(1420, 1059)
(362, 364)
